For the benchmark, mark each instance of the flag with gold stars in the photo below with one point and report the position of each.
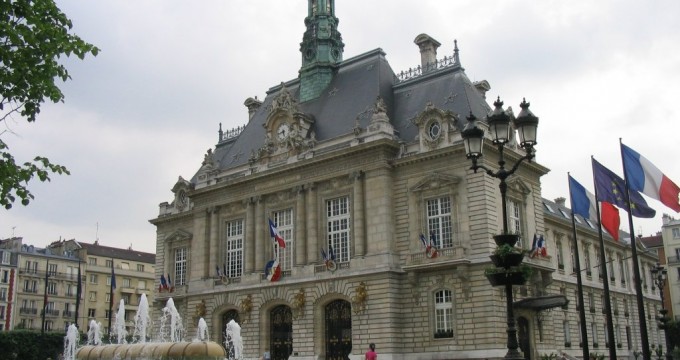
(612, 189)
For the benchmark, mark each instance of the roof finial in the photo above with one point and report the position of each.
(456, 58)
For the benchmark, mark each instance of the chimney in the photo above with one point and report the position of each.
(482, 86)
(252, 105)
(428, 51)
(561, 201)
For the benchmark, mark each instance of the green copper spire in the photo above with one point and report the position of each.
(321, 48)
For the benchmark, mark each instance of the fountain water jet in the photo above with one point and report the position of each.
(202, 331)
(176, 329)
(71, 342)
(94, 335)
(234, 342)
(119, 324)
(142, 320)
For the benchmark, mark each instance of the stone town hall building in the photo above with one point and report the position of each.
(353, 157)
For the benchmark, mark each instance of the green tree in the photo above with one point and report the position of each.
(34, 35)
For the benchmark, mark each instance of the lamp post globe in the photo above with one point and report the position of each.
(527, 125)
(499, 123)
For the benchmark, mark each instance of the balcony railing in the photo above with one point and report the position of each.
(31, 291)
(28, 311)
(67, 314)
(50, 274)
(52, 312)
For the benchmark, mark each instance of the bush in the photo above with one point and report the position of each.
(31, 345)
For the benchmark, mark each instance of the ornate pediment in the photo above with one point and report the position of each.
(179, 235)
(181, 191)
(288, 130)
(435, 181)
(518, 186)
(434, 126)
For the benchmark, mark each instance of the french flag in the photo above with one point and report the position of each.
(274, 232)
(583, 203)
(646, 178)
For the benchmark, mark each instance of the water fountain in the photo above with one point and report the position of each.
(170, 325)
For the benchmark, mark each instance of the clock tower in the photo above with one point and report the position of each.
(321, 49)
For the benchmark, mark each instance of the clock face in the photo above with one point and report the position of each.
(282, 131)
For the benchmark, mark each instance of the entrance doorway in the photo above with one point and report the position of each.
(338, 330)
(281, 339)
(523, 337)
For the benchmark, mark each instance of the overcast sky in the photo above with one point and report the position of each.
(146, 109)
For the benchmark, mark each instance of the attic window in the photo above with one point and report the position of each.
(564, 214)
(578, 220)
(589, 223)
(549, 208)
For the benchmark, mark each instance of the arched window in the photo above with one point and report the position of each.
(443, 314)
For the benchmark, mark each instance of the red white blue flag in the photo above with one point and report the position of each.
(646, 178)
(274, 232)
(273, 270)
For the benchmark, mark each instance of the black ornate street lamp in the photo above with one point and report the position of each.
(499, 123)
(659, 276)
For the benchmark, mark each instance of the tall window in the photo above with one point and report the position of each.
(586, 259)
(92, 261)
(109, 263)
(676, 233)
(560, 257)
(514, 217)
(567, 333)
(284, 223)
(52, 288)
(180, 266)
(337, 227)
(443, 314)
(572, 255)
(5, 257)
(140, 268)
(52, 269)
(93, 279)
(439, 221)
(234, 249)
(593, 332)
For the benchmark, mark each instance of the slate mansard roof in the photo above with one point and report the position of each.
(350, 97)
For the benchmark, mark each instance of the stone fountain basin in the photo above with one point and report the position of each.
(198, 350)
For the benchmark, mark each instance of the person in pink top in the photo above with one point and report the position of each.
(371, 354)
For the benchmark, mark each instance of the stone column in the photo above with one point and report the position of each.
(213, 251)
(358, 215)
(379, 203)
(300, 231)
(197, 247)
(250, 236)
(313, 243)
(259, 234)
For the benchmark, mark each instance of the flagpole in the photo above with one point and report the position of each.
(579, 284)
(45, 297)
(79, 290)
(111, 296)
(605, 280)
(646, 354)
